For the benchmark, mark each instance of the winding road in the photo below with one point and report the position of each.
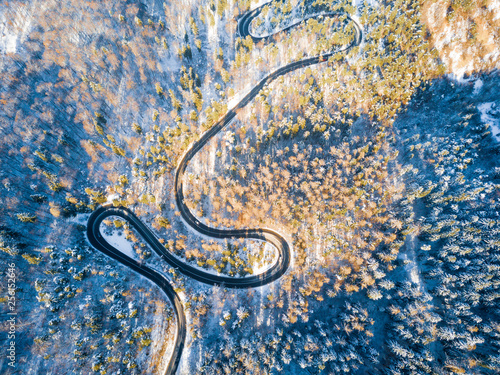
(283, 261)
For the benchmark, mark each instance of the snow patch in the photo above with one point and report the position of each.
(112, 197)
(458, 68)
(271, 256)
(414, 276)
(451, 40)
(8, 42)
(8, 39)
(494, 6)
(490, 115)
(372, 3)
(80, 219)
(13, 30)
(117, 240)
(477, 86)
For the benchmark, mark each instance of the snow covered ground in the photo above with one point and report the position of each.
(117, 239)
(79, 219)
(490, 114)
(460, 51)
(478, 85)
(8, 42)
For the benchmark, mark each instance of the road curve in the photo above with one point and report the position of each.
(97, 240)
(274, 272)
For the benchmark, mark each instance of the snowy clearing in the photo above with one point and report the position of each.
(117, 239)
(491, 115)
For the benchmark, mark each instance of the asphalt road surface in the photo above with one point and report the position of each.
(263, 234)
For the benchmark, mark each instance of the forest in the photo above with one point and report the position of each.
(377, 166)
